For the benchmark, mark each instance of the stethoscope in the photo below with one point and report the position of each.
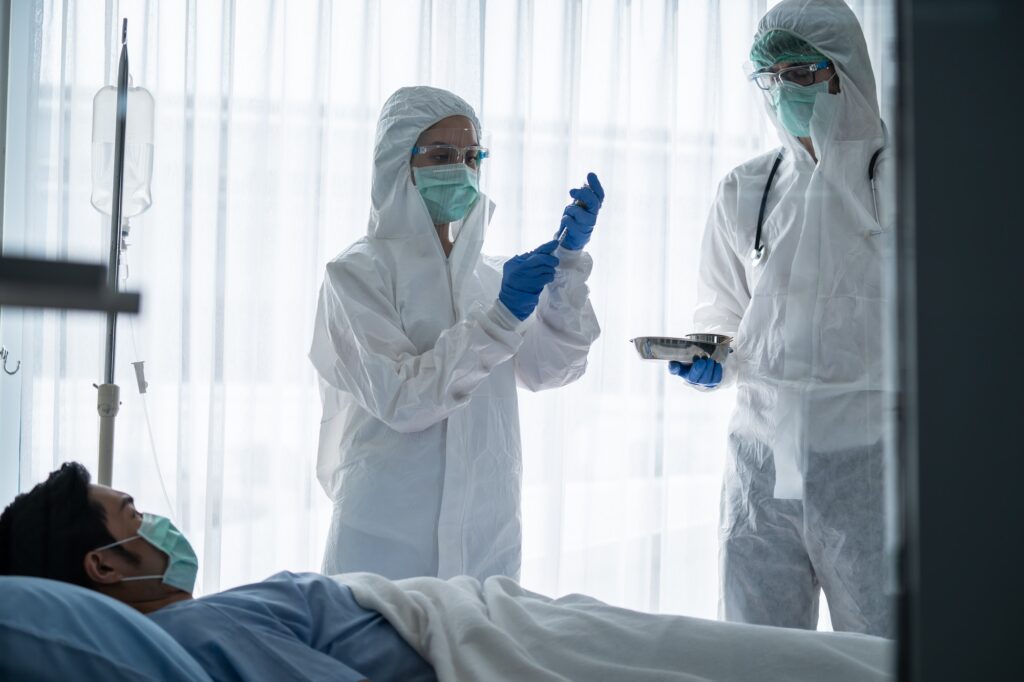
(757, 254)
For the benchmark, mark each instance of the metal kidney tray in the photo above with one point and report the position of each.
(687, 349)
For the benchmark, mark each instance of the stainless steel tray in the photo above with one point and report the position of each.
(687, 349)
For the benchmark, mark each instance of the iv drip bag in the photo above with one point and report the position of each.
(138, 150)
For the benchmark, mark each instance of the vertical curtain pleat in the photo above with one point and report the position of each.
(216, 433)
(62, 204)
(30, 242)
(184, 401)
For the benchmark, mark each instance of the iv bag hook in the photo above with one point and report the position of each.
(3, 356)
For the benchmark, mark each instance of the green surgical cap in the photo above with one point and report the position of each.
(781, 46)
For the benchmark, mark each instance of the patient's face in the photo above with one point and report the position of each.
(123, 521)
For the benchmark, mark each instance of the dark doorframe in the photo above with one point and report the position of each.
(5, 46)
(961, 191)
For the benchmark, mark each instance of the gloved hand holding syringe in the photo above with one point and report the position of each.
(580, 216)
(525, 276)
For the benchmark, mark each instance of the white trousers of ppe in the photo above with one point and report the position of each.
(777, 555)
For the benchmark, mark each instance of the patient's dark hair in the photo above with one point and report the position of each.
(47, 531)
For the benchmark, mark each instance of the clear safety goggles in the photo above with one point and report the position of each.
(801, 74)
(441, 154)
(444, 146)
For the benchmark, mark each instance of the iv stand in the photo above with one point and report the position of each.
(108, 400)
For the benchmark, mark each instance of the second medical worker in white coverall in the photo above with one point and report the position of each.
(419, 344)
(802, 500)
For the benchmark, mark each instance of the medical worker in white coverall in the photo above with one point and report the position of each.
(802, 499)
(420, 342)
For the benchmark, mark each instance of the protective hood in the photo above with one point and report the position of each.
(831, 27)
(397, 210)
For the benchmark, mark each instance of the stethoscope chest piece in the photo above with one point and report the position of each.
(757, 254)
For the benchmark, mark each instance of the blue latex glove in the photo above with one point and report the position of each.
(703, 372)
(525, 276)
(579, 217)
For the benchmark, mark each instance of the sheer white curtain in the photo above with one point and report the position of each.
(265, 118)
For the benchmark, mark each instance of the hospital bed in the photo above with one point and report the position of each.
(468, 631)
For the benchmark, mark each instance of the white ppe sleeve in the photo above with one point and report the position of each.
(359, 347)
(722, 291)
(558, 338)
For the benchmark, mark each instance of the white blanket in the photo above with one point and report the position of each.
(499, 631)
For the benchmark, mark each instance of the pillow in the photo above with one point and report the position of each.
(51, 630)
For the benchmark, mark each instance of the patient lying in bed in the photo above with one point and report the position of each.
(362, 626)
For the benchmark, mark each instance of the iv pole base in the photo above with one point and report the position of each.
(108, 402)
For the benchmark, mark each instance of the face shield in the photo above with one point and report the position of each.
(448, 167)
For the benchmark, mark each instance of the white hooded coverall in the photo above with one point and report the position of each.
(802, 499)
(418, 365)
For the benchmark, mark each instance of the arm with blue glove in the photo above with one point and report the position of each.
(524, 278)
(555, 347)
(360, 347)
(580, 217)
(722, 291)
(702, 373)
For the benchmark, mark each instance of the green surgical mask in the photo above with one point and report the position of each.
(449, 191)
(794, 105)
(182, 564)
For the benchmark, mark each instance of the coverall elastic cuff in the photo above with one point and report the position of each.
(503, 317)
(567, 256)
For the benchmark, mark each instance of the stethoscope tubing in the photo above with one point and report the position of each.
(757, 254)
